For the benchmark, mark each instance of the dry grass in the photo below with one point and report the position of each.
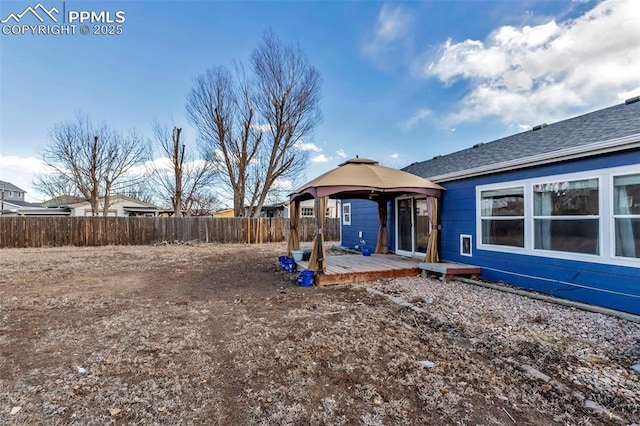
(206, 334)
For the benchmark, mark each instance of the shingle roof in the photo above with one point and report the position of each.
(610, 123)
(8, 186)
(62, 200)
(21, 203)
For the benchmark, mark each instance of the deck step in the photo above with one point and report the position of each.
(449, 270)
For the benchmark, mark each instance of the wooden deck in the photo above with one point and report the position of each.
(358, 268)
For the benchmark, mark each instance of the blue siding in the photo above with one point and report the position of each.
(611, 286)
(364, 217)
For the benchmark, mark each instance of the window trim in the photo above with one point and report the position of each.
(306, 209)
(503, 218)
(612, 237)
(597, 217)
(346, 206)
(606, 223)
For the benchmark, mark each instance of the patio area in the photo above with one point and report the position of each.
(358, 268)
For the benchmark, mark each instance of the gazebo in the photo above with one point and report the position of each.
(363, 179)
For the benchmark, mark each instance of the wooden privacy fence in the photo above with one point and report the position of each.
(100, 231)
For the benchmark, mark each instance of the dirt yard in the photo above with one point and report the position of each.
(214, 334)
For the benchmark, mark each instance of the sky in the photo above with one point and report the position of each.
(401, 81)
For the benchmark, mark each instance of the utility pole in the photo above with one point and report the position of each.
(2, 198)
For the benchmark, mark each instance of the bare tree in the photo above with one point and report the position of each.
(179, 177)
(141, 188)
(54, 186)
(202, 202)
(250, 129)
(91, 158)
(219, 107)
(287, 98)
(123, 153)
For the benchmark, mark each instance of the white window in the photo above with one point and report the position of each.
(346, 214)
(590, 216)
(502, 217)
(306, 211)
(566, 216)
(626, 215)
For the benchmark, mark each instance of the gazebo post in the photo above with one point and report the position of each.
(319, 235)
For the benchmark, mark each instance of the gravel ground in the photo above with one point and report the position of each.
(580, 352)
(215, 334)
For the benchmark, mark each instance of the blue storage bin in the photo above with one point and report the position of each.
(287, 263)
(305, 278)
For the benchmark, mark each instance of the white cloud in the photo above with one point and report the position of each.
(164, 165)
(320, 159)
(623, 96)
(393, 24)
(261, 127)
(21, 172)
(308, 146)
(282, 184)
(395, 155)
(539, 72)
(340, 153)
(418, 116)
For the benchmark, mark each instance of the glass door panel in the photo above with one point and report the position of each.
(404, 213)
(421, 225)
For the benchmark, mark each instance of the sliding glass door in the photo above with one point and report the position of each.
(412, 225)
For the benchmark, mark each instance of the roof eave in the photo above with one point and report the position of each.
(598, 148)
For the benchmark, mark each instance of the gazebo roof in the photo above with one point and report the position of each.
(364, 178)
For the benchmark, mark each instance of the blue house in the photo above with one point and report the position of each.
(555, 209)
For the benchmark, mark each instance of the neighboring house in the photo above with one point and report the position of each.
(224, 213)
(307, 208)
(119, 206)
(10, 192)
(282, 210)
(274, 210)
(12, 202)
(555, 209)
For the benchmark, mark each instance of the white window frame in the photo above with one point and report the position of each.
(612, 240)
(346, 213)
(597, 217)
(522, 217)
(605, 218)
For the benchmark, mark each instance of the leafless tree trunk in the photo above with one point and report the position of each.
(91, 159)
(180, 178)
(249, 129)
